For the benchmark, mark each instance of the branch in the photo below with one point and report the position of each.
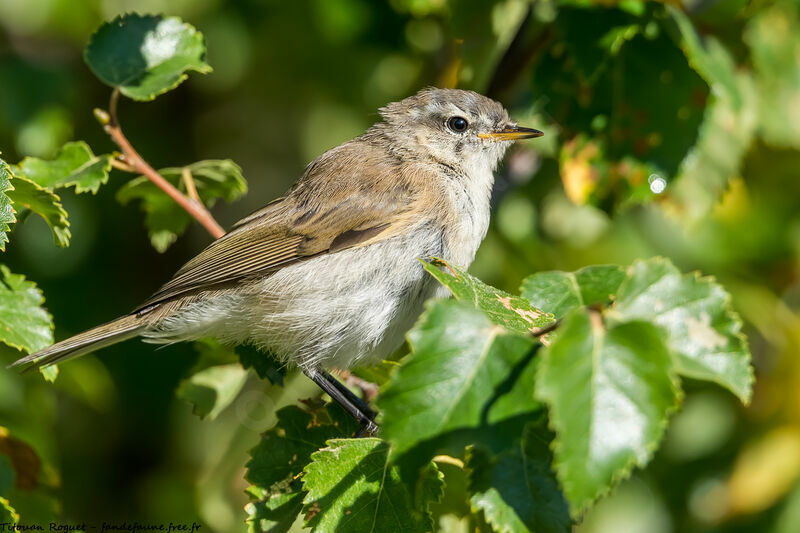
(520, 53)
(135, 162)
(188, 180)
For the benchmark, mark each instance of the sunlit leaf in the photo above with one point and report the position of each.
(516, 490)
(274, 514)
(353, 487)
(166, 220)
(6, 211)
(145, 55)
(43, 202)
(460, 362)
(277, 462)
(702, 330)
(24, 323)
(74, 165)
(511, 312)
(7, 513)
(560, 292)
(609, 392)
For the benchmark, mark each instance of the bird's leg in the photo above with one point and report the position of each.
(344, 389)
(344, 397)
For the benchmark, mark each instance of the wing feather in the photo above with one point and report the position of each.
(321, 214)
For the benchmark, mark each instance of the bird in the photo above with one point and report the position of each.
(327, 276)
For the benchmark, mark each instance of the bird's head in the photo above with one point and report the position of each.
(455, 127)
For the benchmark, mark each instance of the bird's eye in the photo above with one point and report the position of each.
(458, 124)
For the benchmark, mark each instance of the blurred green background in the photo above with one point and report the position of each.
(670, 129)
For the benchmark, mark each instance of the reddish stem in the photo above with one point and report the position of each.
(196, 209)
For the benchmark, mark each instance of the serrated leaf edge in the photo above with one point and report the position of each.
(5, 272)
(203, 69)
(578, 509)
(727, 306)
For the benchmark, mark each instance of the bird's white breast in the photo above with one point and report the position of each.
(470, 197)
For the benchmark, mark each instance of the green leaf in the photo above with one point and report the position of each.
(145, 55)
(211, 352)
(609, 393)
(599, 75)
(353, 487)
(728, 124)
(516, 489)
(512, 312)
(277, 462)
(166, 220)
(6, 211)
(276, 513)
(211, 390)
(561, 292)
(43, 202)
(7, 513)
(264, 364)
(74, 165)
(284, 450)
(460, 367)
(49, 373)
(703, 332)
(775, 48)
(24, 323)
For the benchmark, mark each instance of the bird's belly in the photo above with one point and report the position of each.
(342, 309)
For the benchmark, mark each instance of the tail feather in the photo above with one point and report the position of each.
(105, 335)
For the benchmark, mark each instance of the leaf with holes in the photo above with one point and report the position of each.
(703, 332)
(560, 292)
(277, 461)
(609, 392)
(165, 219)
(24, 323)
(145, 55)
(353, 487)
(511, 312)
(516, 489)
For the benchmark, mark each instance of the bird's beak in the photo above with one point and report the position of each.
(511, 133)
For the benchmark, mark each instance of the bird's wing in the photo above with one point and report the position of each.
(319, 216)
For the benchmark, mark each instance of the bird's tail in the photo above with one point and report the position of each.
(105, 335)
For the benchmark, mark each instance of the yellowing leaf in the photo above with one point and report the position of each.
(765, 471)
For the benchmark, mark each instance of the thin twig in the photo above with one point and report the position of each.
(112, 107)
(121, 165)
(188, 180)
(368, 389)
(196, 209)
(545, 330)
(522, 51)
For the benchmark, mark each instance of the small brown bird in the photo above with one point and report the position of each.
(327, 276)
